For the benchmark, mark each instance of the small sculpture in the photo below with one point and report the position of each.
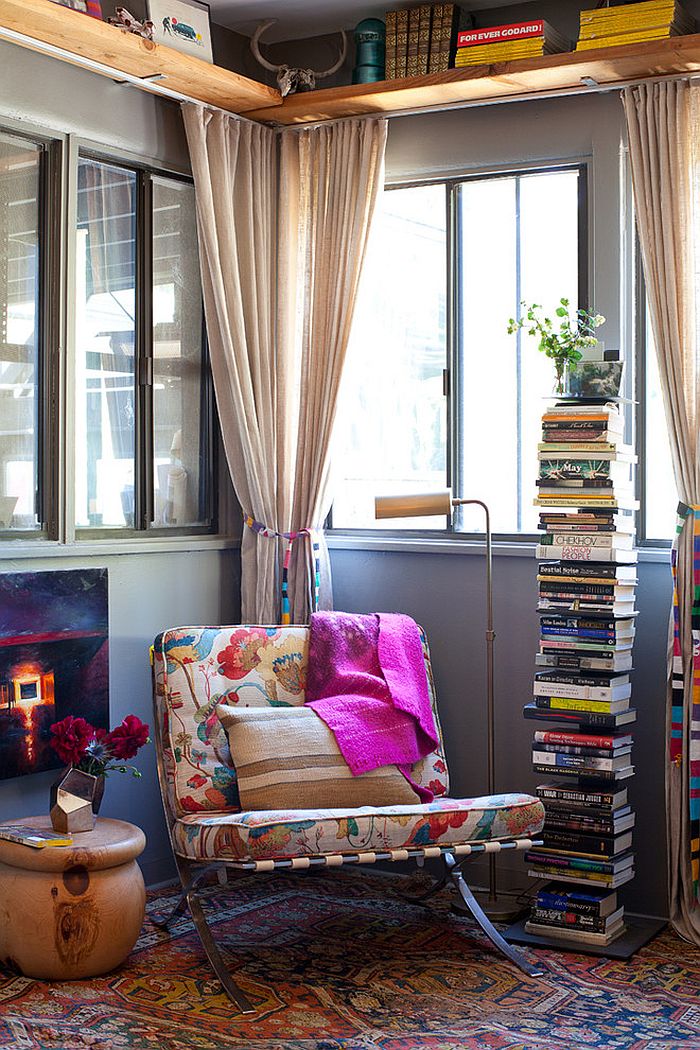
(75, 801)
(289, 79)
(125, 21)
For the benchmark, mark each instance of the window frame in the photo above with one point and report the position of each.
(145, 172)
(55, 445)
(454, 355)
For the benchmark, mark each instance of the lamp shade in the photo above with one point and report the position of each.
(420, 505)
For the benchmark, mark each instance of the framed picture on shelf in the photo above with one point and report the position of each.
(182, 24)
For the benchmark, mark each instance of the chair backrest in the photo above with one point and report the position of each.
(196, 668)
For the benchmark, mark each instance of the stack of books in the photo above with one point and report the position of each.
(633, 24)
(420, 40)
(582, 688)
(508, 42)
(592, 917)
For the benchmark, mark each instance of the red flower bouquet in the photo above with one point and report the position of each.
(96, 751)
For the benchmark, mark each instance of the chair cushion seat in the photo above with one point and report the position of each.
(277, 834)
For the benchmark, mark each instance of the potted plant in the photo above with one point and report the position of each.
(564, 340)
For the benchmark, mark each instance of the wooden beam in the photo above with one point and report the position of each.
(550, 73)
(81, 35)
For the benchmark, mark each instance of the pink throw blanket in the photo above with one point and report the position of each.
(366, 679)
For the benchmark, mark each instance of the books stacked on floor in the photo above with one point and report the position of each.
(582, 688)
(420, 40)
(592, 916)
(508, 42)
(633, 24)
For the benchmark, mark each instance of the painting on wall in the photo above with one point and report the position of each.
(54, 661)
(182, 24)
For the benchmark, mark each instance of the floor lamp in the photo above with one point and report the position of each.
(441, 503)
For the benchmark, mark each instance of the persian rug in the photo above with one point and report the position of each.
(340, 962)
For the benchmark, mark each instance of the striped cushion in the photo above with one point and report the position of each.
(287, 757)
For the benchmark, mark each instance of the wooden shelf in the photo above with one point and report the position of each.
(88, 38)
(500, 80)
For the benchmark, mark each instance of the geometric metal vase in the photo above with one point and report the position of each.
(75, 801)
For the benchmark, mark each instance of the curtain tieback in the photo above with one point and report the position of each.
(313, 559)
(685, 509)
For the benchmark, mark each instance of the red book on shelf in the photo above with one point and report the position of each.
(499, 34)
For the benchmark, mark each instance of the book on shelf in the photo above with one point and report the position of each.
(590, 719)
(608, 743)
(390, 46)
(412, 42)
(594, 541)
(593, 573)
(591, 433)
(594, 824)
(581, 450)
(556, 794)
(568, 703)
(584, 689)
(578, 864)
(555, 918)
(506, 42)
(575, 603)
(611, 882)
(443, 32)
(598, 904)
(589, 468)
(26, 835)
(587, 624)
(582, 843)
(401, 42)
(612, 660)
(588, 500)
(581, 750)
(635, 23)
(424, 24)
(573, 935)
(585, 764)
(552, 588)
(584, 772)
(582, 552)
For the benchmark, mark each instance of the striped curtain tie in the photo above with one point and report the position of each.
(314, 548)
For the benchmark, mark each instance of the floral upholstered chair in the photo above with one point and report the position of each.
(197, 668)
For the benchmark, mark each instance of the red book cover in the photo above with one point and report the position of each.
(580, 739)
(499, 34)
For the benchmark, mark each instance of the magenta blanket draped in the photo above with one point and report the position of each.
(366, 679)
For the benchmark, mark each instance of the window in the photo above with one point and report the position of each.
(143, 414)
(433, 379)
(21, 358)
(658, 486)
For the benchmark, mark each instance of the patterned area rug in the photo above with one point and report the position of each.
(338, 962)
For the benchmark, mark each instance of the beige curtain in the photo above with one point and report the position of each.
(330, 177)
(281, 246)
(664, 143)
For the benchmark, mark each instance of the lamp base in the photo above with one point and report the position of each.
(501, 907)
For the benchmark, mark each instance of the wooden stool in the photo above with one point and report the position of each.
(71, 911)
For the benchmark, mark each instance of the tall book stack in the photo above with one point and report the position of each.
(508, 42)
(420, 40)
(633, 24)
(582, 690)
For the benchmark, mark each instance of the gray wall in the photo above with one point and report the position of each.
(148, 592)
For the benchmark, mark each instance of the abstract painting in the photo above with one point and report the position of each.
(54, 661)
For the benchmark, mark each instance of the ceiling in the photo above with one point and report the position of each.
(304, 18)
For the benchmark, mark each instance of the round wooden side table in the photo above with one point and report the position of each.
(71, 911)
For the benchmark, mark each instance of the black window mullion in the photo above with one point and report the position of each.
(143, 444)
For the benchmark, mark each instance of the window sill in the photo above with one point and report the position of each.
(442, 544)
(16, 549)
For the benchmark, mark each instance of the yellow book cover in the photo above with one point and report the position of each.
(595, 32)
(597, 707)
(26, 835)
(640, 10)
(472, 56)
(620, 40)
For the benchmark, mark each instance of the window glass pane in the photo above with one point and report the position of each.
(391, 433)
(19, 335)
(105, 346)
(180, 402)
(661, 493)
(518, 240)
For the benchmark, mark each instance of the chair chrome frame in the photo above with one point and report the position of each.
(192, 872)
